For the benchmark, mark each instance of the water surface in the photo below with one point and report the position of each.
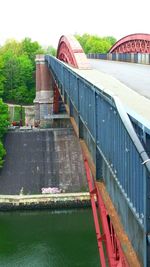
(48, 239)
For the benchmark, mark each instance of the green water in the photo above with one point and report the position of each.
(45, 238)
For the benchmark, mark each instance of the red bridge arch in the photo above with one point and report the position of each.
(133, 43)
(70, 51)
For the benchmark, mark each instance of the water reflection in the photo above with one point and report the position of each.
(48, 238)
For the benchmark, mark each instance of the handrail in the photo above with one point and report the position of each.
(108, 127)
(127, 123)
(123, 115)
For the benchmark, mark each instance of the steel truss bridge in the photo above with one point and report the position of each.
(116, 151)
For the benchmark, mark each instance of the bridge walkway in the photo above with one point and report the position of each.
(133, 102)
(135, 76)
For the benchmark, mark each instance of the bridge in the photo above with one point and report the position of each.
(112, 124)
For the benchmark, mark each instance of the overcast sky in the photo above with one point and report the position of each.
(46, 20)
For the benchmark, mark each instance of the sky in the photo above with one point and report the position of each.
(46, 21)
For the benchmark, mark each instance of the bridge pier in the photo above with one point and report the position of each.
(44, 91)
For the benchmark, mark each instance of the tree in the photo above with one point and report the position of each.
(2, 77)
(95, 44)
(17, 71)
(4, 118)
(11, 46)
(3, 128)
(31, 49)
(83, 40)
(10, 72)
(2, 154)
(51, 51)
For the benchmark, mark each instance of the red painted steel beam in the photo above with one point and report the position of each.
(108, 238)
(99, 236)
(70, 51)
(133, 43)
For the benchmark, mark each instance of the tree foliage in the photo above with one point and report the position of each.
(17, 71)
(2, 154)
(17, 78)
(3, 118)
(51, 51)
(94, 43)
(3, 128)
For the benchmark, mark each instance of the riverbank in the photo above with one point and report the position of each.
(44, 201)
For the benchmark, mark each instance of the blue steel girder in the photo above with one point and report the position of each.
(119, 156)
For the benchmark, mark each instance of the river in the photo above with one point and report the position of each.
(48, 239)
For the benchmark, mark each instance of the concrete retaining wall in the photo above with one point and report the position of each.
(44, 201)
(42, 158)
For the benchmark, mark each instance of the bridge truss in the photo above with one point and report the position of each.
(133, 43)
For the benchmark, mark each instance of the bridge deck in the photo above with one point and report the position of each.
(133, 102)
(135, 76)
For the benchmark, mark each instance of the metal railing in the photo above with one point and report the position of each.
(114, 136)
(141, 58)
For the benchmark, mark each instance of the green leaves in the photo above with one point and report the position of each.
(4, 118)
(2, 154)
(95, 44)
(31, 49)
(3, 128)
(51, 51)
(17, 79)
(17, 71)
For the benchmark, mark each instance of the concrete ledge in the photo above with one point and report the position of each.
(43, 201)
